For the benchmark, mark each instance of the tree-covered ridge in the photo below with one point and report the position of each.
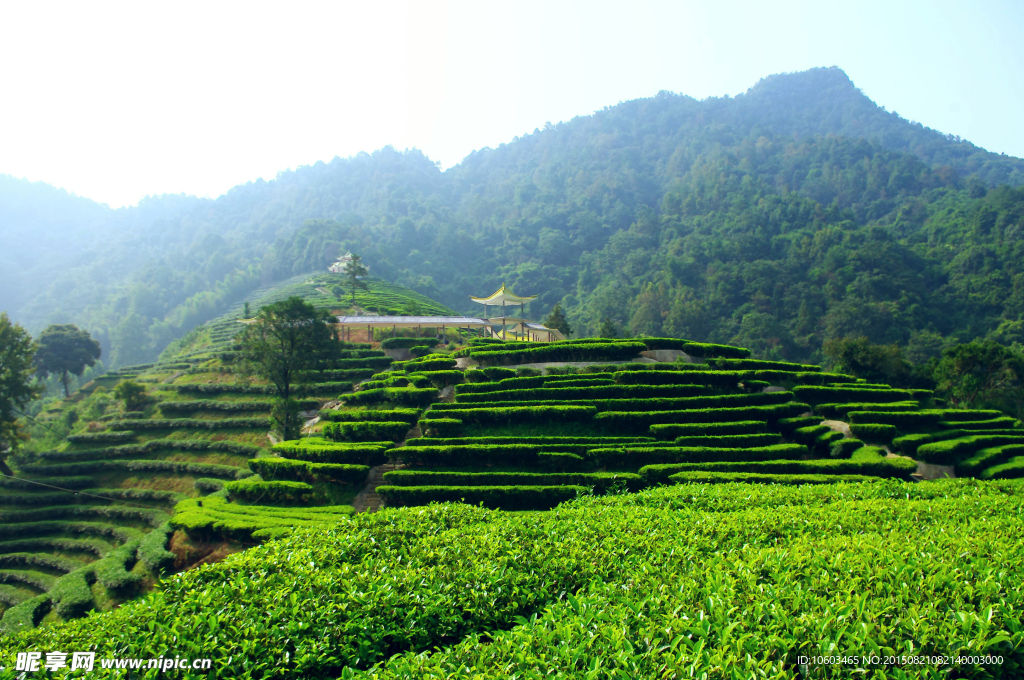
(536, 212)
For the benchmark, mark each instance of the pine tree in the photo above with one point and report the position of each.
(556, 319)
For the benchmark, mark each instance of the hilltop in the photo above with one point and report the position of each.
(665, 216)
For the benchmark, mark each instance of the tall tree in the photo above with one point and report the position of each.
(982, 373)
(288, 339)
(65, 348)
(16, 385)
(354, 272)
(556, 319)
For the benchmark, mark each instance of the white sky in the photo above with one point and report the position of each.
(117, 101)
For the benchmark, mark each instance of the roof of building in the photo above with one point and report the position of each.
(406, 321)
(503, 295)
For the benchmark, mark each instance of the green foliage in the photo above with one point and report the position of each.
(598, 480)
(844, 448)
(864, 461)
(741, 427)
(498, 497)
(510, 415)
(16, 388)
(408, 343)
(214, 518)
(180, 423)
(288, 339)
(765, 478)
(63, 349)
(440, 427)
(273, 468)
(355, 271)
(365, 453)
(635, 457)
(641, 422)
(405, 415)
(952, 451)
(132, 394)
(982, 373)
(839, 411)
(557, 320)
(817, 394)
(366, 431)
(410, 396)
(875, 363)
(273, 492)
(879, 433)
(985, 458)
(558, 352)
(601, 575)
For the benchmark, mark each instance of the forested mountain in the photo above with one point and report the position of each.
(796, 212)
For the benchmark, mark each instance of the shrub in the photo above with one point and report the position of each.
(642, 421)
(844, 448)
(497, 497)
(430, 362)
(438, 379)
(173, 467)
(866, 461)
(673, 430)
(764, 478)
(731, 441)
(366, 431)
(901, 419)
(354, 454)
(627, 392)
(213, 518)
(476, 376)
(252, 490)
(211, 405)
(71, 595)
(839, 411)
(961, 415)
(759, 364)
(639, 456)
(300, 470)
(223, 388)
(1012, 469)
(496, 373)
(90, 437)
(551, 443)
(408, 343)
(176, 423)
(558, 352)
(985, 458)
(952, 451)
(994, 424)
(599, 480)
(526, 372)
(409, 396)
(208, 485)
(471, 455)
(808, 435)
(726, 379)
(440, 427)
(511, 415)
(405, 415)
(874, 432)
(152, 552)
(789, 425)
(814, 394)
(419, 350)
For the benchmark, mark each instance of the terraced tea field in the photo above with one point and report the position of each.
(730, 450)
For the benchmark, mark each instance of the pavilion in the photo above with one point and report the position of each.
(522, 328)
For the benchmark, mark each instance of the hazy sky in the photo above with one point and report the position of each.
(117, 101)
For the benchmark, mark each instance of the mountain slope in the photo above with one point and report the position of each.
(527, 212)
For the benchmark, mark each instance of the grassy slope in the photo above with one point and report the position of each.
(194, 360)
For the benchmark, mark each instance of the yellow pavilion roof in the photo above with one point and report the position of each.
(503, 295)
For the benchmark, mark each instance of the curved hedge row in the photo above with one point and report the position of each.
(405, 415)
(366, 431)
(509, 415)
(642, 421)
(503, 497)
(274, 491)
(599, 480)
(356, 454)
(765, 478)
(273, 468)
(154, 445)
(174, 467)
(859, 464)
(193, 423)
(637, 457)
(411, 396)
(739, 427)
